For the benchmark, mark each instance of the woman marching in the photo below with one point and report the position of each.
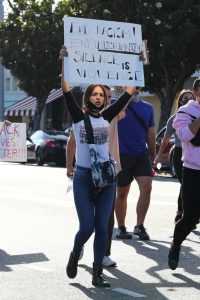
(183, 98)
(93, 209)
(187, 126)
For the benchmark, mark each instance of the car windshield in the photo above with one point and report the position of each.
(54, 132)
(49, 134)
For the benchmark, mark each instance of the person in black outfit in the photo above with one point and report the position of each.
(187, 126)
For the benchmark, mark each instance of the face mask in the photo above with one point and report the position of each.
(93, 108)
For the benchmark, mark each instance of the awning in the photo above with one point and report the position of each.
(27, 106)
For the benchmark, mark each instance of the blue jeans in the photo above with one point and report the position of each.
(93, 211)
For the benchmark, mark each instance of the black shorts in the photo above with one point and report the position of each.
(134, 166)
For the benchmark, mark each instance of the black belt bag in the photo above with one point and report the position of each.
(195, 140)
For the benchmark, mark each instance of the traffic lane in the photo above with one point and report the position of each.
(48, 224)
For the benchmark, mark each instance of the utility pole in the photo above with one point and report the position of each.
(1, 73)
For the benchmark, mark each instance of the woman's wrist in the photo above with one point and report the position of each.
(65, 86)
(130, 90)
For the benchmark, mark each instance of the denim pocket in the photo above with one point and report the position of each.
(82, 175)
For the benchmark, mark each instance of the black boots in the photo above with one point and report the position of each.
(97, 277)
(173, 257)
(72, 265)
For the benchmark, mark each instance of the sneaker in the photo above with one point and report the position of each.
(140, 231)
(81, 254)
(173, 256)
(108, 262)
(123, 234)
(72, 265)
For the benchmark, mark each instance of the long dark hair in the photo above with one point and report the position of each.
(180, 97)
(89, 91)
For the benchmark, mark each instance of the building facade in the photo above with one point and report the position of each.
(12, 92)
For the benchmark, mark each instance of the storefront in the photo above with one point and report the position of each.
(54, 115)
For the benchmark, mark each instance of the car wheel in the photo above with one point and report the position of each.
(38, 157)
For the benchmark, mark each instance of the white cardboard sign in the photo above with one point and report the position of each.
(13, 142)
(103, 52)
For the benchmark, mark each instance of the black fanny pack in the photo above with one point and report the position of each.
(195, 140)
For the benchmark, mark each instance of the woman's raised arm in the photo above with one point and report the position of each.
(64, 84)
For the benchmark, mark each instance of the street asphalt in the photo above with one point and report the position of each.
(37, 225)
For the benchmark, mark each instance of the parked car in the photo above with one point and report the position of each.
(47, 146)
(166, 158)
(68, 130)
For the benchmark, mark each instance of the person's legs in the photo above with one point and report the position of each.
(141, 169)
(103, 204)
(110, 230)
(124, 179)
(180, 202)
(107, 261)
(121, 204)
(143, 176)
(120, 211)
(191, 214)
(178, 165)
(85, 210)
(83, 198)
(179, 211)
(191, 205)
(145, 186)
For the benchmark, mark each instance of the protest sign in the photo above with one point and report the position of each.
(13, 142)
(103, 52)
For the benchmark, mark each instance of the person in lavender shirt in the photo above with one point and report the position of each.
(187, 125)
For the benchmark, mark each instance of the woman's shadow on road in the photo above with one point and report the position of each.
(154, 250)
(7, 260)
(158, 252)
(123, 286)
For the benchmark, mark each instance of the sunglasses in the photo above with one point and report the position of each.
(185, 99)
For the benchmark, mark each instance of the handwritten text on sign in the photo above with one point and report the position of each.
(13, 142)
(103, 52)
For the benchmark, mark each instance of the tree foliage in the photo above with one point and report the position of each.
(171, 28)
(32, 35)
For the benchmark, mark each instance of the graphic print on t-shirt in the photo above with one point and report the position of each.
(100, 135)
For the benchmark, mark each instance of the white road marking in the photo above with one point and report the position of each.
(38, 268)
(129, 293)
